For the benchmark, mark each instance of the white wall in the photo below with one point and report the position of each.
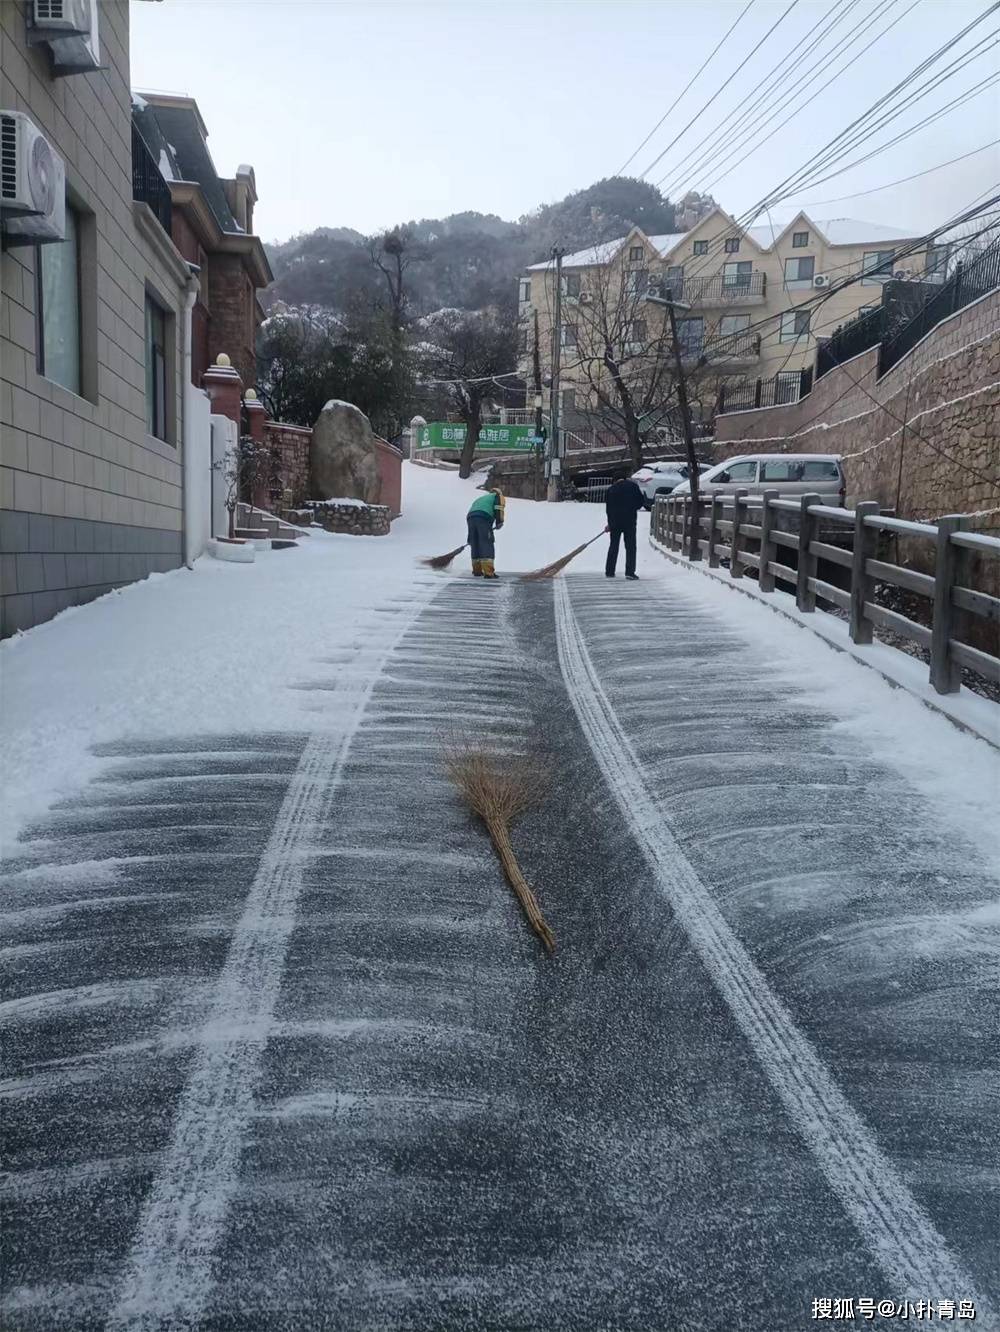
(225, 441)
(197, 472)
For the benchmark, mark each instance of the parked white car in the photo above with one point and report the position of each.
(790, 474)
(660, 478)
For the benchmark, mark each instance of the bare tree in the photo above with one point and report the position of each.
(467, 350)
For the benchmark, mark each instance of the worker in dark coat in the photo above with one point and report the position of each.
(623, 502)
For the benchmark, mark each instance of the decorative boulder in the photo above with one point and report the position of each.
(344, 459)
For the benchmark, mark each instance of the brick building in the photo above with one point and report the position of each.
(211, 223)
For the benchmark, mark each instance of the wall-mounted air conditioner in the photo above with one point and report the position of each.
(821, 280)
(32, 182)
(586, 298)
(70, 30)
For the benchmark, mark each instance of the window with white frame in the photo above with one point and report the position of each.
(800, 239)
(800, 271)
(674, 279)
(691, 336)
(877, 266)
(794, 325)
(525, 290)
(701, 247)
(635, 253)
(733, 323)
(636, 282)
(732, 245)
(571, 286)
(568, 338)
(737, 274)
(57, 306)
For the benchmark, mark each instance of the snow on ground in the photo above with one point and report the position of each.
(213, 649)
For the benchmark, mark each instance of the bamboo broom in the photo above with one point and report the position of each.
(498, 794)
(557, 566)
(442, 561)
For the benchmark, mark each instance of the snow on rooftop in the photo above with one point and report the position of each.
(835, 231)
(593, 254)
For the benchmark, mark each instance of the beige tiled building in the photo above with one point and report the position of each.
(92, 345)
(759, 298)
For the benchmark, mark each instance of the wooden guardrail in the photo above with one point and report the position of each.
(744, 529)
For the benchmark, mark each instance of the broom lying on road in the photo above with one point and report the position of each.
(499, 789)
(442, 561)
(557, 566)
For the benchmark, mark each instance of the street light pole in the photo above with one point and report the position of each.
(554, 452)
(694, 534)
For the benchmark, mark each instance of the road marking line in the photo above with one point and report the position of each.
(900, 1235)
(168, 1276)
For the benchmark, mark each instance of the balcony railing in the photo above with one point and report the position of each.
(148, 185)
(743, 395)
(733, 348)
(723, 289)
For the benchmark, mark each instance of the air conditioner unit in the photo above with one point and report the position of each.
(32, 182)
(586, 298)
(821, 280)
(59, 18)
(69, 29)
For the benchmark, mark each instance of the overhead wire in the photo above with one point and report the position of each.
(686, 88)
(903, 180)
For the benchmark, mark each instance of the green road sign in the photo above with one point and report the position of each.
(508, 438)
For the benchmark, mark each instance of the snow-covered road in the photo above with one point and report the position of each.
(281, 1054)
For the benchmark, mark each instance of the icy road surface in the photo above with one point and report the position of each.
(282, 1055)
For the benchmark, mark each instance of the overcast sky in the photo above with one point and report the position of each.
(368, 114)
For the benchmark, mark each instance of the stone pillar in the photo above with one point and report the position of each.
(414, 433)
(255, 415)
(225, 389)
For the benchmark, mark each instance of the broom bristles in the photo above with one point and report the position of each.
(442, 561)
(557, 566)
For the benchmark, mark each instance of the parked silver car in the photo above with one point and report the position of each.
(790, 474)
(660, 478)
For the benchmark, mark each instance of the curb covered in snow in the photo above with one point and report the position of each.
(978, 716)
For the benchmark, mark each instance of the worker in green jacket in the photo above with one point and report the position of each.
(485, 516)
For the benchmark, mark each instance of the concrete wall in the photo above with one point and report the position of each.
(390, 475)
(89, 501)
(947, 389)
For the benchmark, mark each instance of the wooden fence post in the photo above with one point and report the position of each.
(768, 548)
(694, 531)
(735, 569)
(805, 597)
(714, 513)
(862, 586)
(946, 673)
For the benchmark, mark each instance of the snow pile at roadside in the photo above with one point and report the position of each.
(215, 649)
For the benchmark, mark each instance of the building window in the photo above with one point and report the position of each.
(701, 247)
(799, 270)
(156, 369)
(675, 278)
(525, 290)
(737, 323)
(732, 245)
(800, 239)
(937, 261)
(568, 399)
(57, 300)
(738, 274)
(794, 325)
(522, 340)
(691, 336)
(636, 282)
(568, 335)
(635, 253)
(571, 285)
(877, 266)
(639, 331)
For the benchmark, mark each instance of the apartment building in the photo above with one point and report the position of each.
(104, 439)
(759, 299)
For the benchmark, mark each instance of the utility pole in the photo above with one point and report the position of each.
(554, 451)
(693, 535)
(536, 370)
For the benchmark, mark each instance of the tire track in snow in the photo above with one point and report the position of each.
(896, 1229)
(168, 1276)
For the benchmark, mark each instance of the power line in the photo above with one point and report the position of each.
(842, 198)
(720, 88)
(686, 88)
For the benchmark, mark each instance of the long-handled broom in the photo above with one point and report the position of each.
(442, 561)
(557, 566)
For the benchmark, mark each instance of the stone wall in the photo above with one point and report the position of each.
(353, 519)
(945, 460)
(293, 443)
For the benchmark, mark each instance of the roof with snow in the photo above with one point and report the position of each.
(175, 134)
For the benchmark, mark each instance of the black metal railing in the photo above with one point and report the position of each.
(849, 340)
(968, 283)
(722, 289)
(743, 395)
(148, 185)
(733, 347)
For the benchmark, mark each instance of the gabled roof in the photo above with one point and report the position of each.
(835, 231)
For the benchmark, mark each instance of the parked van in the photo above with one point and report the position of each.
(790, 474)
